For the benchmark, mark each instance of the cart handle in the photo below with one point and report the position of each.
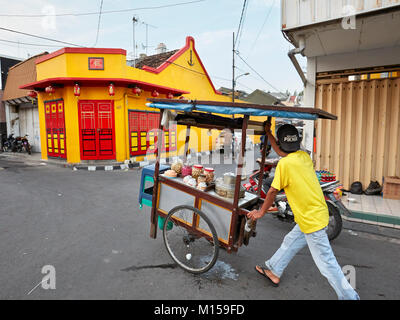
(243, 212)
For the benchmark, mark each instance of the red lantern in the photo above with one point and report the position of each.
(137, 91)
(32, 94)
(77, 90)
(155, 94)
(50, 89)
(170, 96)
(111, 89)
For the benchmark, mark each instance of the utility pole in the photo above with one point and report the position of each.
(134, 21)
(233, 68)
(147, 37)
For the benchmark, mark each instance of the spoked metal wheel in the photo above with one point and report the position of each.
(189, 247)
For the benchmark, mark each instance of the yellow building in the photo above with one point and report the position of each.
(92, 105)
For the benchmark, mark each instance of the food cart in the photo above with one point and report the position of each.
(196, 222)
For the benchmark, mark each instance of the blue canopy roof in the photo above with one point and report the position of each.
(241, 108)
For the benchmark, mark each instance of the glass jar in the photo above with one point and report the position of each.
(202, 178)
(202, 186)
(209, 173)
(186, 171)
(197, 170)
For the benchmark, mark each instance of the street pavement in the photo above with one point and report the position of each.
(88, 226)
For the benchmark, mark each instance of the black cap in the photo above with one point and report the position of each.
(289, 138)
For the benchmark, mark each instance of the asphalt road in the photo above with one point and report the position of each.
(88, 226)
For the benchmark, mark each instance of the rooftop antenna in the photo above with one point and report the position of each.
(147, 34)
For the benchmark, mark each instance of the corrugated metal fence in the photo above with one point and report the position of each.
(364, 143)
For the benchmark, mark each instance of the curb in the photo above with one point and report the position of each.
(382, 220)
(140, 162)
(125, 166)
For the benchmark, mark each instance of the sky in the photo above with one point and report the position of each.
(210, 22)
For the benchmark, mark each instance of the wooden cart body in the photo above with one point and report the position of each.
(227, 215)
(227, 219)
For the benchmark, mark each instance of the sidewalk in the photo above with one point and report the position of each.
(373, 210)
(32, 159)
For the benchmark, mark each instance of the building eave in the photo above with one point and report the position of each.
(98, 82)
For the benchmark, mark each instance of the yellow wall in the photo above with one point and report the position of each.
(179, 75)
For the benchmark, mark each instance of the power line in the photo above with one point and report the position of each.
(204, 74)
(31, 44)
(104, 12)
(98, 23)
(255, 71)
(262, 27)
(183, 67)
(241, 22)
(39, 37)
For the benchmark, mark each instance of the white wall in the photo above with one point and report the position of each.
(361, 59)
(29, 124)
(24, 120)
(12, 120)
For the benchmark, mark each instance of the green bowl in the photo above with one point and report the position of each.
(161, 221)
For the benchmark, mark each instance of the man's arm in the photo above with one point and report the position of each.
(272, 140)
(269, 200)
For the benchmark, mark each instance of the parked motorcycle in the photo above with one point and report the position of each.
(22, 143)
(282, 208)
(9, 143)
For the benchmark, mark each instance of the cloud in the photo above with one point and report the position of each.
(211, 38)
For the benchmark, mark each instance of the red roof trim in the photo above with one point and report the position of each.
(81, 50)
(171, 59)
(101, 81)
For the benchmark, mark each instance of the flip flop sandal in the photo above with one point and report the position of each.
(265, 275)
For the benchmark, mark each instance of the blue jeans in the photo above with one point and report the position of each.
(323, 256)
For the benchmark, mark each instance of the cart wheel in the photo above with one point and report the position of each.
(191, 250)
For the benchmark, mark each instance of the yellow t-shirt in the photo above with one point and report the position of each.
(296, 175)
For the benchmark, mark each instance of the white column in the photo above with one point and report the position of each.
(8, 118)
(309, 101)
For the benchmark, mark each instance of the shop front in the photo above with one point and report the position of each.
(92, 105)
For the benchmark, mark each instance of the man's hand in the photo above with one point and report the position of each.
(255, 214)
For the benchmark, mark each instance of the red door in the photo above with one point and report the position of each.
(142, 136)
(55, 129)
(96, 128)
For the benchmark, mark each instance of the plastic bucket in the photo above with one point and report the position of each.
(161, 221)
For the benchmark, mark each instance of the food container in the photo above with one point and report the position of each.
(170, 173)
(202, 186)
(209, 172)
(190, 181)
(177, 166)
(186, 171)
(229, 178)
(202, 178)
(197, 170)
(186, 179)
(227, 190)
